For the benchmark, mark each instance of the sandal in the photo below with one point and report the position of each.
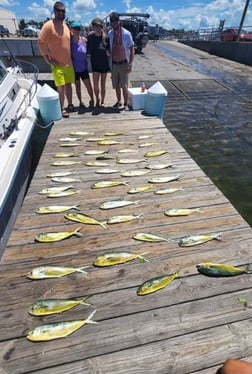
(65, 114)
(70, 108)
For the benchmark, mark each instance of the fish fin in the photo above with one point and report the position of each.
(89, 319)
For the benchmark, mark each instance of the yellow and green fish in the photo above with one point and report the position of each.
(221, 270)
(49, 190)
(155, 153)
(124, 218)
(116, 204)
(116, 258)
(53, 271)
(54, 306)
(57, 330)
(83, 218)
(145, 237)
(55, 209)
(65, 163)
(49, 237)
(190, 240)
(181, 212)
(156, 284)
(106, 184)
(140, 189)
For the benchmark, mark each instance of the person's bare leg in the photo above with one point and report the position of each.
(61, 92)
(78, 90)
(89, 89)
(125, 95)
(69, 93)
(96, 77)
(103, 87)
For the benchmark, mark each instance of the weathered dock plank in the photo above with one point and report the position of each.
(192, 326)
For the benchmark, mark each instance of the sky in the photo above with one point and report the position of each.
(170, 14)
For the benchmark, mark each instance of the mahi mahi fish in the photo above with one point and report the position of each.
(83, 218)
(57, 330)
(155, 284)
(145, 237)
(124, 218)
(117, 204)
(65, 163)
(60, 174)
(181, 212)
(54, 306)
(49, 190)
(155, 153)
(47, 271)
(115, 258)
(65, 180)
(55, 209)
(140, 189)
(63, 155)
(49, 237)
(135, 173)
(106, 184)
(164, 179)
(191, 240)
(221, 270)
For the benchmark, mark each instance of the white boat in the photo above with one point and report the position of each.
(19, 113)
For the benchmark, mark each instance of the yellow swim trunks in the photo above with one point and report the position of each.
(63, 75)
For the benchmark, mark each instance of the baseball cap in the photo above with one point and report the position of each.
(75, 24)
(114, 16)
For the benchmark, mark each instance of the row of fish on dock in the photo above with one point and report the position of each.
(52, 306)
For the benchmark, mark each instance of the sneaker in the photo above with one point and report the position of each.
(126, 107)
(117, 105)
(91, 103)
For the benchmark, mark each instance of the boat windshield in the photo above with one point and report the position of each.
(3, 71)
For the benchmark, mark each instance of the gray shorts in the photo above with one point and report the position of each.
(120, 75)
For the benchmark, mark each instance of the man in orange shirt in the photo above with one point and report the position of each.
(54, 45)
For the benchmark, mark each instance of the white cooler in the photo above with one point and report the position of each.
(136, 98)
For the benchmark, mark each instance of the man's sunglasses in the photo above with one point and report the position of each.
(97, 25)
(60, 10)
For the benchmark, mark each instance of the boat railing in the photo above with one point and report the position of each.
(20, 70)
(29, 86)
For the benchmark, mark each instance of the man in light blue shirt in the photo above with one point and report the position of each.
(122, 53)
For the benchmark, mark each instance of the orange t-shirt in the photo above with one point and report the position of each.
(54, 41)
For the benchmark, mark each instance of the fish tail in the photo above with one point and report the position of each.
(83, 301)
(141, 256)
(103, 224)
(81, 270)
(126, 183)
(76, 207)
(89, 319)
(218, 236)
(249, 268)
(139, 216)
(76, 232)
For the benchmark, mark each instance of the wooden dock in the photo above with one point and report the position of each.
(191, 326)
